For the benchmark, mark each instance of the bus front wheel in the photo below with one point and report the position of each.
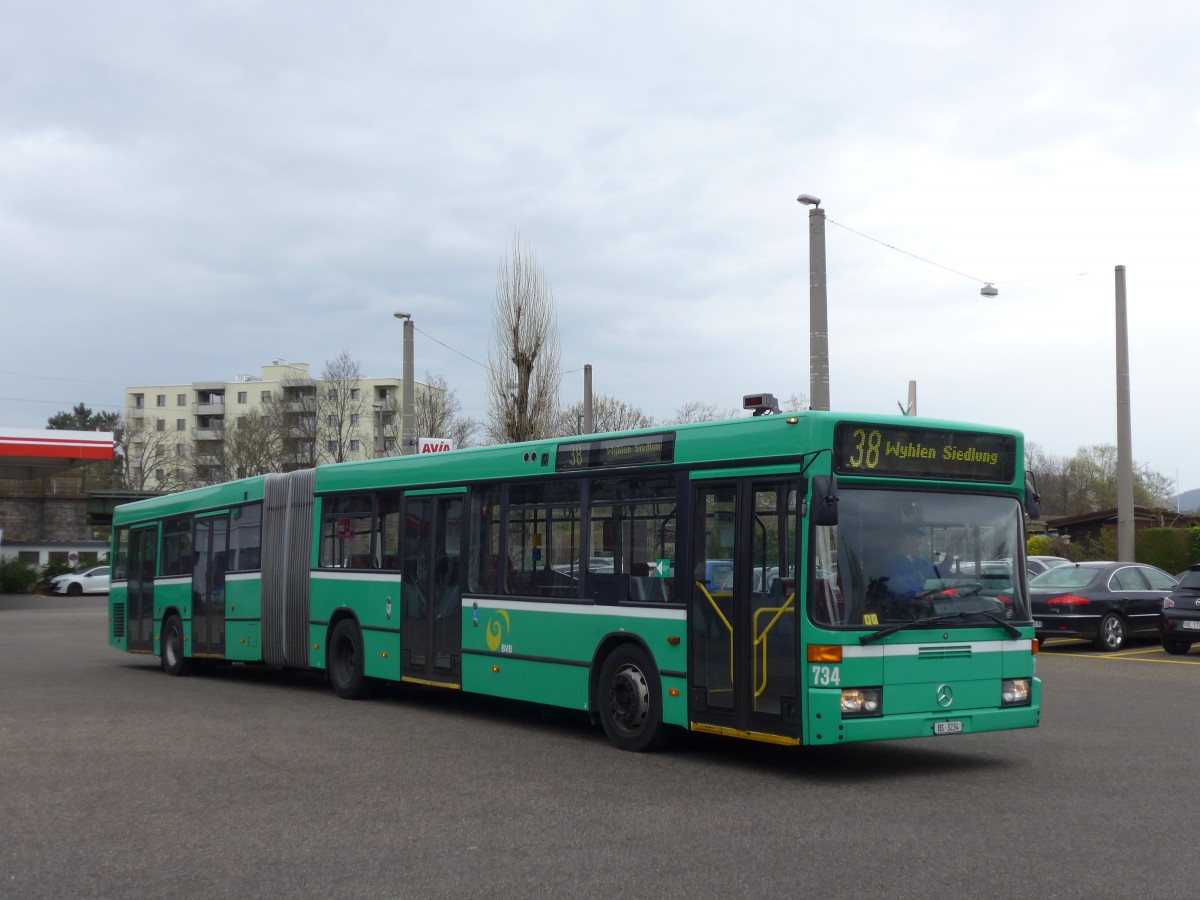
(173, 660)
(346, 662)
(630, 700)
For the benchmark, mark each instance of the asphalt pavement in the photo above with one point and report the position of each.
(118, 781)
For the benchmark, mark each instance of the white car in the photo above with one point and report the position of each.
(92, 581)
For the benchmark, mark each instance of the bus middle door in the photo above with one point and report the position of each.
(431, 589)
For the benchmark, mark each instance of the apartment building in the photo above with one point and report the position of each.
(283, 419)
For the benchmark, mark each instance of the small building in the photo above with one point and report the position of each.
(1089, 526)
(42, 553)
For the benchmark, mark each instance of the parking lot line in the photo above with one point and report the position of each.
(1133, 656)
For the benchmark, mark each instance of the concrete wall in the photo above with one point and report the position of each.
(45, 509)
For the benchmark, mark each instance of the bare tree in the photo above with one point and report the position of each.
(433, 407)
(698, 411)
(252, 446)
(436, 413)
(523, 377)
(152, 457)
(339, 408)
(608, 414)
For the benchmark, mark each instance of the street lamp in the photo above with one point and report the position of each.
(818, 316)
(408, 437)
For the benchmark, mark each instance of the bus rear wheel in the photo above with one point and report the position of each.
(173, 660)
(346, 662)
(630, 700)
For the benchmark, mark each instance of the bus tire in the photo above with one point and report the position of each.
(630, 700)
(173, 660)
(347, 662)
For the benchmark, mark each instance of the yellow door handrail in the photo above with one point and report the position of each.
(728, 627)
(760, 638)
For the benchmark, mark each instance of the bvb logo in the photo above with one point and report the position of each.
(496, 630)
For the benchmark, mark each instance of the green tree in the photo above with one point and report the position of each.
(81, 418)
(1087, 481)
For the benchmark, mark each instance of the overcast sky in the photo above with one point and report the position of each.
(188, 191)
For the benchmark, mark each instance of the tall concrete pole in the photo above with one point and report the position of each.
(408, 428)
(587, 399)
(1125, 514)
(818, 318)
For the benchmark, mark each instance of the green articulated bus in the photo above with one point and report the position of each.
(809, 578)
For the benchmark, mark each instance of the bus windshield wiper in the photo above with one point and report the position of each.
(934, 620)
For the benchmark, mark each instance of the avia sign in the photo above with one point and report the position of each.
(434, 445)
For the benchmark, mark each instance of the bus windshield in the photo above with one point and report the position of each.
(901, 556)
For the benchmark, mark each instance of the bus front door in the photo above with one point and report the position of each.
(431, 591)
(211, 547)
(744, 610)
(143, 566)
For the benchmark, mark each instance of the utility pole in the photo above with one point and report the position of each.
(1125, 514)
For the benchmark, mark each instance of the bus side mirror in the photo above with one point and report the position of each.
(824, 500)
(1033, 500)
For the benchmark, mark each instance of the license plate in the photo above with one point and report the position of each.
(947, 727)
(1191, 625)
(1037, 623)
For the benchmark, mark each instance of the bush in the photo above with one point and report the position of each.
(1047, 545)
(1171, 549)
(17, 577)
(54, 569)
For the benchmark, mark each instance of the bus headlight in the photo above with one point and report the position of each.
(1014, 692)
(862, 701)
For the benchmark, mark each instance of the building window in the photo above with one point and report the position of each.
(333, 394)
(354, 446)
(265, 397)
(389, 446)
(181, 449)
(355, 394)
(160, 424)
(180, 424)
(241, 396)
(181, 399)
(333, 421)
(160, 400)
(333, 446)
(160, 475)
(139, 401)
(354, 418)
(266, 421)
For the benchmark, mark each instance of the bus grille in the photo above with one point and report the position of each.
(961, 651)
(118, 620)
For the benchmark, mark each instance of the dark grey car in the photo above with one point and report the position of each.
(1104, 602)
(1180, 624)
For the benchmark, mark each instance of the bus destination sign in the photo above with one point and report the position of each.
(901, 452)
(612, 453)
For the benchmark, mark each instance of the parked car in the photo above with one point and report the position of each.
(1105, 602)
(92, 581)
(1036, 565)
(1179, 627)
